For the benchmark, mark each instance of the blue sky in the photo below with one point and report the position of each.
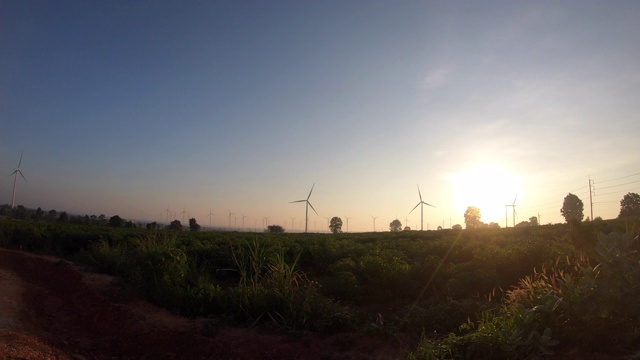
(131, 108)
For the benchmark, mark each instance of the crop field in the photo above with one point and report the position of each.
(487, 293)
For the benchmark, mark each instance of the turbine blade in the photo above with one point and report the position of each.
(20, 162)
(415, 207)
(291, 202)
(419, 194)
(428, 204)
(314, 210)
(514, 200)
(20, 172)
(314, 184)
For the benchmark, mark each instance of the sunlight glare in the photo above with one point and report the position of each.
(489, 188)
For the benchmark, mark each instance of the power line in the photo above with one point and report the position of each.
(612, 186)
(623, 177)
(617, 192)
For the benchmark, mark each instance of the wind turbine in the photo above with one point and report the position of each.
(15, 173)
(230, 213)
(168, 212)
(513, 208)
(421, 203)
(210, 215)
(306, 219)
(184, 211)
(347, 222)
(243, 216)
(374, 222)
(293, 224)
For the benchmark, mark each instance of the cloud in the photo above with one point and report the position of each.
(436, 78)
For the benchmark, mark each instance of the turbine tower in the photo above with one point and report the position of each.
(306, 218)
(184, 211)
(210, 215)
(421, 203)
(513, 208)
(15, 173)
(230, 213)
(374, 222)
(347, 222)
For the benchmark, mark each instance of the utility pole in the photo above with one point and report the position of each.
(591, 196)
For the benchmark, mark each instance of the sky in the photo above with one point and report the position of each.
(132, 108)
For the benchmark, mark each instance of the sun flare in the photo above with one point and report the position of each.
(489, 188)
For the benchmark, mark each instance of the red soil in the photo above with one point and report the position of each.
(52, 309)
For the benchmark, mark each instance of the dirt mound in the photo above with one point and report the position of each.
(51, 309)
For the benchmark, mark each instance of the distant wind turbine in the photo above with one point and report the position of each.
(15, 173)
(293, 224)
(230, 213)
(306, 219)
(184, 211)
(243, 216)
(421, 203)
(513, 208)
(374, 222)
(210, 215)
(347, 222)
(168, 212)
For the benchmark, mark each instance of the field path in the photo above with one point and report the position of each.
(52, 309)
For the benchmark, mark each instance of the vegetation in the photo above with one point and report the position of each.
(511, 293)
(335, 225)
(472, 218)
(572, 209)
(395, 226)
(630, 205)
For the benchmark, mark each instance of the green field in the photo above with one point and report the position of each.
(488, 293)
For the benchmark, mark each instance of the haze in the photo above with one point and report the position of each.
(130, 108)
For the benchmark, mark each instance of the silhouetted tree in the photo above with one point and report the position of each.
(129, 224)
(472, 217)
(193, 225)
(64, 217)
(406, 228)
(457, 227)
(153, 225)
(20, 212)
(39, 214)
(175, 225)
(493, 225)
(51, 215)
(395, 226)
(102, 219)
(439, 228)
(116, 221)
(275, 229)
(533, 220)
(335, 225)
(572, 209)
(630, 205)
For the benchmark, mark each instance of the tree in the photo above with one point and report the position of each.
(51, 215)
(493, 225)
(193, 225)
(457, 227)
(116, 221)
(39, 214)
(533, 220)
(64, 217)
(395, 225)
(275, 229)
(630, 205)
(572, 209)
(406, 228)
(472, 217)
(152, 226)
(335, 225)
(175, 225)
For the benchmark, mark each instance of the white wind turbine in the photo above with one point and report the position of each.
(306, 219)
(421, 203)
(184, 212)
(230, 213)
(347, 222)
(15, 173)
(210, 215)
(374, 222)
(513, 207)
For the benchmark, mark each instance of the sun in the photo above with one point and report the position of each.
(487, 187)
